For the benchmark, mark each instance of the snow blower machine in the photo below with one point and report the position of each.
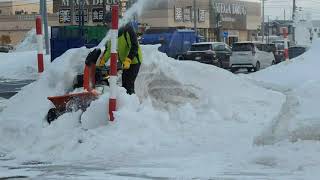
(87, 83)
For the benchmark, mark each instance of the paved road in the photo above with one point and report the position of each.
(8, 87)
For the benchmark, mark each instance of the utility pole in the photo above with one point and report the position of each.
(293, 19)
(41, 8)
(262, 24)
(72, 12)
(294, 9)
(268, 29)
(195, 16)
(45, 23)
(104, 22)
(218, 26)
(82, 17)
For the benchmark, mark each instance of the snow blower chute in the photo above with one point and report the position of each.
(80, 100)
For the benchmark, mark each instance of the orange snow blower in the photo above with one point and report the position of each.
(87, 80)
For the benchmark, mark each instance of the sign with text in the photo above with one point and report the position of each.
(85, 15)
(68, 3)
(97, 14)
(178, 14)
(201, 15)
(64, 16)
(187, 14)
(232, 13)
(230, 8)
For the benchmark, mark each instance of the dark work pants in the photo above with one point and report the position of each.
(129, 76)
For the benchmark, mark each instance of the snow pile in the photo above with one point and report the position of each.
(179, 107)
(29, 43)
(296, 72)
(20, 65)
(299, 79)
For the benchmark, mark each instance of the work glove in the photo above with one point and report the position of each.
(126, 63)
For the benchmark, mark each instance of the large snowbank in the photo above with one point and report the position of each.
(294, 73)
(187, 120)
(181, 107)
(295, 131)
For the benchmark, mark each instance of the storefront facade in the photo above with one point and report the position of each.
(235, 20)
(229, 20)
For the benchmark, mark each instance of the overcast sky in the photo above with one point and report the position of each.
(274, 8)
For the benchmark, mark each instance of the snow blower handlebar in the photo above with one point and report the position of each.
(93, 57)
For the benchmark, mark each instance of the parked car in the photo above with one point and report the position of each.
(295, 51)
(174, 42)
(251, 55)
(215, 53)
(4, 49)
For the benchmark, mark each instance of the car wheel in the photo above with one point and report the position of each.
(180, 57)
(233, 70)
(220, 64)
(249, 69)
(273, 62)
(257, 67)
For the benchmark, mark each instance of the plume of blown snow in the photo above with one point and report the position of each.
(29, 42)
(136, 9)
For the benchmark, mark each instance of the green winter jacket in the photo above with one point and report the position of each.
(128, 46)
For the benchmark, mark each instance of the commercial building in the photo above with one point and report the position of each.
(229, 20)
(18, 17)
(18, 7)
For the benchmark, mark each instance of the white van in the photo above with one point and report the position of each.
(251, 56)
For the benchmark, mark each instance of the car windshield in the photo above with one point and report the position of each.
(242, 47)
(200, 47)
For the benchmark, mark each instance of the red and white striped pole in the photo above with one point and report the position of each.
(286, 47)
(113, 62)
(40, 44)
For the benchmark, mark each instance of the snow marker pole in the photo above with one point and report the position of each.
(286, 47)
(113, 61)
(40, 44)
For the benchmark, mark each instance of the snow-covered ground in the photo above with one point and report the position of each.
(20, 65)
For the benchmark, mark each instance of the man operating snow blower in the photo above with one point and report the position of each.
(129, 54)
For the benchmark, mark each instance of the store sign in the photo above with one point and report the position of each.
(85, 15)
(201, 15)
(178, 14)
(64, 16)
(94, 7)
(67, 3)
(232, 14)
(186, 14)
(97, 14)
(230, 8)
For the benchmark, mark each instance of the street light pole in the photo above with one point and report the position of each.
(262, 24)
(45, 23)
(293, 19)
(195, 16)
